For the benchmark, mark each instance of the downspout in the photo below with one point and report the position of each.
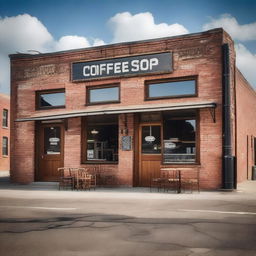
(228, 159)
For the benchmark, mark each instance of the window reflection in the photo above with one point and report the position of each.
(52, 99)
(151, 140)
(5, 146)
(98, 95)
(179, 140)
(173, 88)
(102, 139)
(52, 140)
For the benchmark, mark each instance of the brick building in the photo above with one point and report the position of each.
(129, 109)
(4, 132)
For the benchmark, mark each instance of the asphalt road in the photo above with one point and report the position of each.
(117, 222)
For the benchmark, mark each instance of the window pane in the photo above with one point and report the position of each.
(5, 118)
(104, 94)
(5, 146)
(102, 140)
(52, 140)
(52, 99)
(172, 89)
(180, 141)
(151, 140)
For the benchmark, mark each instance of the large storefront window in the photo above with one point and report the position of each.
(179, 138)
(102, 139)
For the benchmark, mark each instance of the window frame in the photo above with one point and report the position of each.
(168, 80)
(51, 91)
(6, 119)
(7, 142)
(105, 86)
(197, 144)
(84, 129)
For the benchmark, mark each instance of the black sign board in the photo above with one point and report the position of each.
(126, 143)
(127, 66)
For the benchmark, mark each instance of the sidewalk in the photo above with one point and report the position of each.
(247, 187)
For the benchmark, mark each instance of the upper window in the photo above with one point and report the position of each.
(51, 99)
(101, 95)
(170, 88)
(5, 118)
(5, 146)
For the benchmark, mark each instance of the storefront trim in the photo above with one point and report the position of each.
(132, 109)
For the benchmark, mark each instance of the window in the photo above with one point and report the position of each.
(52, 140)
(151, 139)
(5, 118)
(51, 99)
(101, 139)
(170, 88)
(179, 138)
(5, 146)
(101, 95)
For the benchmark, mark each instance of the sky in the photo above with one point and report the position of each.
(54, 25)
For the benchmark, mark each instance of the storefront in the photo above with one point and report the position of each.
(128, 109)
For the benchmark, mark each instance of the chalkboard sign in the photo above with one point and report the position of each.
(126, 143)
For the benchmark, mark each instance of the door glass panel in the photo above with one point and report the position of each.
(151, 140)
(52, 140)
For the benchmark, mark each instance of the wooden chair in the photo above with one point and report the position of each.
(173, 181)
(93, 183)
(83, 179)
(190, 179)
(155, 183)
(66, 179)
(168, 180)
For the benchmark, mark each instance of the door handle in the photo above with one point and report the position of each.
(42, 156)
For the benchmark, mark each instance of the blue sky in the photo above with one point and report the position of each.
(53, 25)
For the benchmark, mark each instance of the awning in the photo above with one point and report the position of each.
(121, 110)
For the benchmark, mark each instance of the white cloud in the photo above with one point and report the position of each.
(128, 27)
(23, 33)
(71, 42)
(246, 62)
(98, 42)
(229, 23)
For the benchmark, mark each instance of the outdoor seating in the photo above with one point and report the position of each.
(83, 179)
(169, 180)
(66, 179)
(190, 179)
(77, 178)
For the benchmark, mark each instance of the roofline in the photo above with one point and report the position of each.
(250, 87)
(27, 55)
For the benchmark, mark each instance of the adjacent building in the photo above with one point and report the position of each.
(4, 132)
(128, 109)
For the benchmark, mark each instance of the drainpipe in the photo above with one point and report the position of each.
(228, 159)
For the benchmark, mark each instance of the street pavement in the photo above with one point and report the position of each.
(41, 220)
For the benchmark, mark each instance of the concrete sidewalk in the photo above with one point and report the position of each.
(247, 187)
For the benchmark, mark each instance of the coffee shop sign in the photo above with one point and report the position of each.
(127, 66)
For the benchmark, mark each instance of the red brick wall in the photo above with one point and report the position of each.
(246, 127)
(193, 55)
(4, 132)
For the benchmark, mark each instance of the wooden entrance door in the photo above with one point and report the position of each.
(150, 153)
(50, 153)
